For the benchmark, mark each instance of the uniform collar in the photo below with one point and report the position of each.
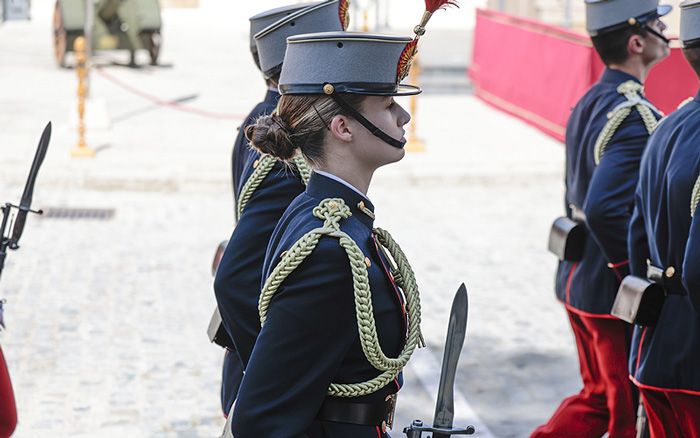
(612, 76)
(272, 96)
(322, 187)
(340, 180)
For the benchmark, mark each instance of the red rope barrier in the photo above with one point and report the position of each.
(169, 104)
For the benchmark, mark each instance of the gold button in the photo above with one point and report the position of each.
(383, 426)
(632, 21)
(328, 89)
(255, 163)
(361, 205)
(670, 272)
(368, 262)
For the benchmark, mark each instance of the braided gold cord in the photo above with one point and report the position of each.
(695, 198)
(648, 117)
(332, 211)
(265, 165)
(631, 90)
(608, 131)
(303, 168)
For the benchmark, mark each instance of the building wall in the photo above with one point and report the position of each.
(567, 13)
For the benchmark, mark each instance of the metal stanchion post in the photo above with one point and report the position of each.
(414, 143)
(81, 149)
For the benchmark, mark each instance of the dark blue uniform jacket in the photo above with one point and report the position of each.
(310, 338)
(605, 193)
(241, 150)
(667, 356)
(238, 277)
(237, 282)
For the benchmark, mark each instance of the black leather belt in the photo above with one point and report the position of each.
(366, 414)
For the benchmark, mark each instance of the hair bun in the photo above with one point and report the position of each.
(271, 135)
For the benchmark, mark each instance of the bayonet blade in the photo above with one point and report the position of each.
(456, 332)
(26, 201)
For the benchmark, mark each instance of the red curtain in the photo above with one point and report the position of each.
(671, 82)
(538, 72)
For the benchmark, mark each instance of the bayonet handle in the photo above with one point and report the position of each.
(416, 429)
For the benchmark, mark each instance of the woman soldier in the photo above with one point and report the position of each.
(339, 308)
(265, 189)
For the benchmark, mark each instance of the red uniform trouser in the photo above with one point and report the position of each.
(8, 412)
(608, 401)
(672, 414)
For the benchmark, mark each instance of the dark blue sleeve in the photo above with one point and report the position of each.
(610, 196)
(638, 243)
(238, 279)
(309, 329)
(691, 262)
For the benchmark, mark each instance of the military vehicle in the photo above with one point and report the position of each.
(118, 25)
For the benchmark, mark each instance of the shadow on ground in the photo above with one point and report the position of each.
(529, 388)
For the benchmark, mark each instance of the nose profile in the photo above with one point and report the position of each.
(404, 117)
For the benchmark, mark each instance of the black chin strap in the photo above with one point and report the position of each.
(656, 33)
(366, 123)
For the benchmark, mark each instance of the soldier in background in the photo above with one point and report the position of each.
(232, 368)
(264, 189)
(606, 135)
(267, 105)
(665, 232)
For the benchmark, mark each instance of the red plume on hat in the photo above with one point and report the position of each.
(344, 13)
(431, 6)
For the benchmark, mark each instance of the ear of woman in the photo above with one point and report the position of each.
(340, 128)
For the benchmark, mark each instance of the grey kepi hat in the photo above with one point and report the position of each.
(325, 16)
(262, 20)
(608, 15)
(337, 63)
(690, 23)
(349, 62)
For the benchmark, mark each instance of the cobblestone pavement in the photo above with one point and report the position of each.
(106, 318)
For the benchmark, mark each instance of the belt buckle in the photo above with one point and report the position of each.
(391, 408)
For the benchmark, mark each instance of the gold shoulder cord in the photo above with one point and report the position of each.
(695, 198)
(332, 211)
(263, 166)
(632, 91)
